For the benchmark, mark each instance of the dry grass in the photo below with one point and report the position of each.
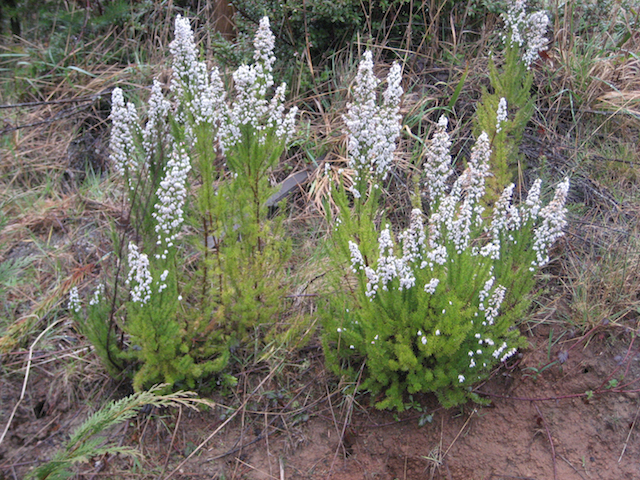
(602, 271)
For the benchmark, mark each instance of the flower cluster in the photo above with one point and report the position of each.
(264, 43)
(74, 300)
(526, 31)
(139, 278)
(514, 19)
(162, 282)
(155, 130)
(172, 194)
(413, 239)
(189, 74)
(532, 203)
(460, 210)
(457, 217)
(201, 94)
(390, 267)
(124, 119)
(373, 129)
(501, 114)
(431, 286)
(494, 298)
(185, 64)
(508, 219)
(553, 223)
(97, 295)
(437, 164)
(251, 112)
(536, 40)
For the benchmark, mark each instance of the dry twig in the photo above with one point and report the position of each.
(553, 450)
(626, 442)
(26, 379)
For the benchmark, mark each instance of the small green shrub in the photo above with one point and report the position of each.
(511, 92)
(181, 323)
(434, 307)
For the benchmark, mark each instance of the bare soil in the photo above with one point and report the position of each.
(543, 422)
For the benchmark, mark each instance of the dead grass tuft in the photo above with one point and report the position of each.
(602, 268)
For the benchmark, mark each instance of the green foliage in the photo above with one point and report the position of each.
(513, 83)
(11, 271)
(244, 251)
(320, 23)
(412, 341)
(245, 269)
(89, 440)
(315, 30)
(61, 41)
(143, 169)
(93, 324)
(163, 345)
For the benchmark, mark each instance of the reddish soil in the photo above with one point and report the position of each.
(541, 424)
(513, 438)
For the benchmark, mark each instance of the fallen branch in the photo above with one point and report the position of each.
(553, 450)
(26, 379)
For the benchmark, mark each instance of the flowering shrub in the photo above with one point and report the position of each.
(525, 31)
(247, 265)
(433, 308)
(181, 324)
(373, 128)
(524, 38)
